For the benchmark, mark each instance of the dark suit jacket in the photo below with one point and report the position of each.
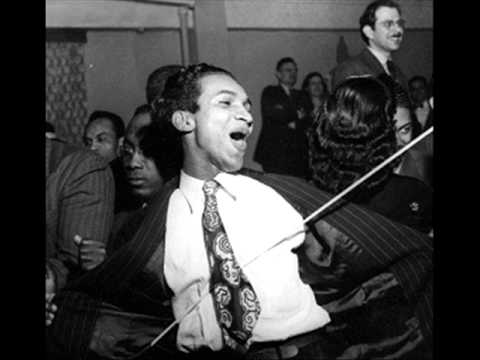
(79, 200)
(281, 149)
(364, 63)
(356, 246)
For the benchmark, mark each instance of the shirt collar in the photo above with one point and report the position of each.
(380, 56)
(191, 188)
(286, 89)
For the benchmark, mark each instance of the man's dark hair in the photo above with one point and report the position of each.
(116, 121)
(283, 61)
(157, 79)
(368, 17)
(182, 91)
(142, 109)
(420, 78)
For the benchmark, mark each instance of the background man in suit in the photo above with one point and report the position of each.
(381, 28)
(418, 88)
(282, 144)
(103, 134)
(79, 201)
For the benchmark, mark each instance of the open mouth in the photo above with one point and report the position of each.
(239, 139)
(397, 38)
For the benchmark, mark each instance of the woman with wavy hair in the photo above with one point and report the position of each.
(356, 134)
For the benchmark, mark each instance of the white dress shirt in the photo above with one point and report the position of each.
(254, 217)
(380, 57)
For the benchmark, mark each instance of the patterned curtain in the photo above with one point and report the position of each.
(66, 95)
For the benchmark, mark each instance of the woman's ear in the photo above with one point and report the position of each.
(183, 121)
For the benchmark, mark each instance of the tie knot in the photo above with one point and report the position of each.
(391, 68)
(210, 187)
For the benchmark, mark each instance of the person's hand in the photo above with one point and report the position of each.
(50, 307)
(301, 113)
(92, 253)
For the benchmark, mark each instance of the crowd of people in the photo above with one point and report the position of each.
(162, 244)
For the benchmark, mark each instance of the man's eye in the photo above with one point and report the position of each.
(226, 102)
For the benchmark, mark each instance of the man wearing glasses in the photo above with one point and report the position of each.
(381, 28)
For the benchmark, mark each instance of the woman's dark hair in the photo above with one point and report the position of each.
(311, 75)
(400, 98)
(355, 134)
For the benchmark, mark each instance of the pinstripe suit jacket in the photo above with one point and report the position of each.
(79, 200)
(363, 243)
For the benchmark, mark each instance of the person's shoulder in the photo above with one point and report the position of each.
(408, 184)
(271, 89)
(79, 159)
(248, 181)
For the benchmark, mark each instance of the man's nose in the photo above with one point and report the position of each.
(246, 116)
(135, 162)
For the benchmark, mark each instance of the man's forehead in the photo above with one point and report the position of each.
(139, 121)
(289, 66)
(385, 12)
(418, 84)
(214, 84)
(132, 139)
(100, 124)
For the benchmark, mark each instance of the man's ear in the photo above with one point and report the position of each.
(183, 121)
(367, 31)
(119, 146)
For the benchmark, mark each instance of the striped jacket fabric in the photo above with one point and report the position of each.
(364, 248)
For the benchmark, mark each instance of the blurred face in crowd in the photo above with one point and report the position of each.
(418, 91)
(403, 126)
(102, 139)
(287, 74)
(315, 87)
(387, 33)
(218, 130)
(141, 172)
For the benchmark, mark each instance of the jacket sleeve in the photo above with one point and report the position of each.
(85, 196)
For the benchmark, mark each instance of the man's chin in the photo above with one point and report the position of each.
(232, 166)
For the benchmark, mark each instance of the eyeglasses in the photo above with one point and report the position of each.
(388, 24)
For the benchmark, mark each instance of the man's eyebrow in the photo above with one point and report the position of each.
(227, 92)
(102, 133)
(233, 93)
